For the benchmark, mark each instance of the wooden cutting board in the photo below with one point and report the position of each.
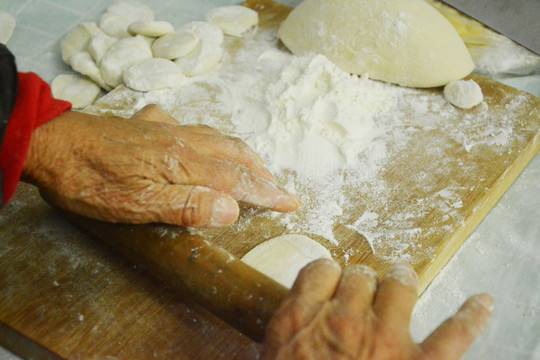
(64, 295)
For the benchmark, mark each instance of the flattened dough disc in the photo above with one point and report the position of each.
(282, 257)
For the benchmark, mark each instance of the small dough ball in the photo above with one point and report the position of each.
(77, 40)
(464, 94)
(204, 31)
(99, 44)
(173, 46)
(282, 257)
(84, 64)
(407, 42)
(132, 10)
(205, 58)
(233, 20)
(120, 56)
(153, 74)
(7, 26)
(114, 25)
(150, 28)
(79, 91)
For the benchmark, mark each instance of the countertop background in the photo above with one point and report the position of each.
(501, 257)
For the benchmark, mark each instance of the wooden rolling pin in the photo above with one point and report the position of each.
(235, 292)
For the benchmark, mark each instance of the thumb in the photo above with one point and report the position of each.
(192, 206)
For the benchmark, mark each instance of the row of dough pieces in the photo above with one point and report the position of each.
(128, 46)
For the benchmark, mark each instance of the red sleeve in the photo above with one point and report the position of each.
(34, 106)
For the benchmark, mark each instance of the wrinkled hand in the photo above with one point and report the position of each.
(331, 314)
(149, 169)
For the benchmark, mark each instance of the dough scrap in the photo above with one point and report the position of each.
(233, 20)
(120, 56)
(173, 46)
(79, 91)
(282, 257)
(114, 25)
(7, 26)
(132, 10)
(406, 42)
(464, 94)
(150, 28)
(77, 40)
(153, 74)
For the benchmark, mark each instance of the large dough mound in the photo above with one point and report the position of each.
(406, 42)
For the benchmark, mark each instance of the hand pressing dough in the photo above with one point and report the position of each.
(120, 56)
(7, 26)
(99, 44)
(406, 42)
(79, 91)
(153, 74)
(173, 46)
(282, 257)
(464, 94)
(233, 20)
(150, 28)
(132, 10)
(114, 25)
(77, 40)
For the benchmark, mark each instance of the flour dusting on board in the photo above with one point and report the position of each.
(333, 138)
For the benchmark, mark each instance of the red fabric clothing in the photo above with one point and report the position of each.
(35, 105)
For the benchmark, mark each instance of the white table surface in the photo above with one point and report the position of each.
(501, 257)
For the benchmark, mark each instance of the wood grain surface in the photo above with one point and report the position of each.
(65, 295)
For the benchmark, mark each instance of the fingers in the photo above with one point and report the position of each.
(191, 206)
(355, 291)
(396, 297)
(242, 184)
(314, 286)
(453, 338)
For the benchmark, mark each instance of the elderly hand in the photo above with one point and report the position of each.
(330, 314)
(148, 169)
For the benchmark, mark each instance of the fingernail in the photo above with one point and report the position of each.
(225, 211)
(404, 273)
(486, 301)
